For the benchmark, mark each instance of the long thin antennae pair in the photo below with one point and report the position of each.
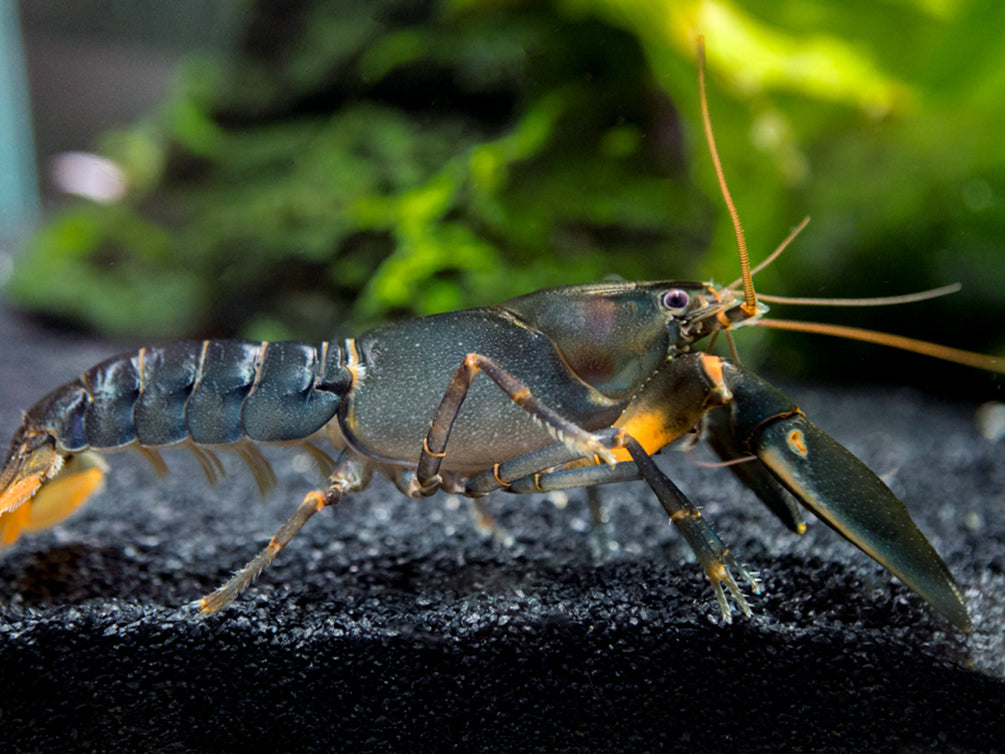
(750, 298)
(956, 355)
(959, 356)
(905, 298)
(773, 255)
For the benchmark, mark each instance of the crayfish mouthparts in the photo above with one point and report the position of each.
(721, 309)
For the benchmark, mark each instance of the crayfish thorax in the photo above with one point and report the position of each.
(41, 485)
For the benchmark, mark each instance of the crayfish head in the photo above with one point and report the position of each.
(40, 485)
(718, 309)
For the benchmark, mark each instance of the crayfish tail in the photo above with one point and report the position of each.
(78, 480)
(31, 461)
(41, 485)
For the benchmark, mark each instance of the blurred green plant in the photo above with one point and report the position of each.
(357, 161)
(353, 161)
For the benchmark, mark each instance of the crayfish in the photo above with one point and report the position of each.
(582, 385)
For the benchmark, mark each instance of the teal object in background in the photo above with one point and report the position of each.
(19, 202)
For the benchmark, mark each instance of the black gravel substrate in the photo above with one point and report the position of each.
(394, 625)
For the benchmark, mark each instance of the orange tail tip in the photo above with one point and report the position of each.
(31, 463)
(42, 488)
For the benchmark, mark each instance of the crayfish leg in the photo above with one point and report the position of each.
(715, 558)
(601, 542)
(351, 475)
(488, 525)
(576, 439)
(315, 501)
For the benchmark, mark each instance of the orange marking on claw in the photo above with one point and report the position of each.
(796, 441)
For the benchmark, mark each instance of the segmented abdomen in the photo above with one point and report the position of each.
(214, 392)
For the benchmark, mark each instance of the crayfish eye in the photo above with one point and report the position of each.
(675, 300)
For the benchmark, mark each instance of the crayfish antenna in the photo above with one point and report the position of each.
(956, 355)
(924, 347)
(753, 310)
(906, 298)
(773, 255)
(750, 298)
